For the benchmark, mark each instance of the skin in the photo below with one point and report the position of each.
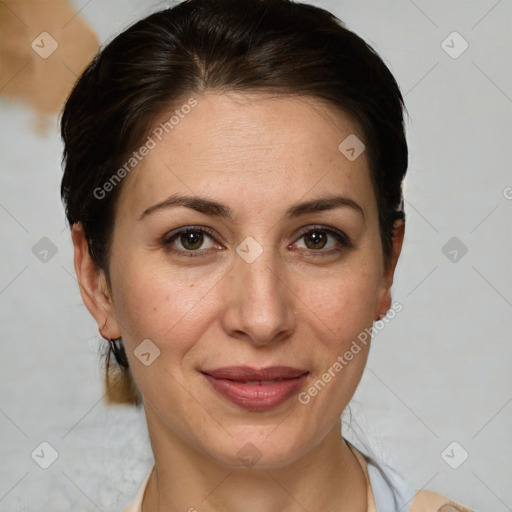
(258, 155)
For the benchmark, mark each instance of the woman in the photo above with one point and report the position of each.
(233, 175)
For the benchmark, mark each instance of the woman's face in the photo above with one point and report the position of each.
(273, 281)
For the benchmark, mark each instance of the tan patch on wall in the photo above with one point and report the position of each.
(44, 46)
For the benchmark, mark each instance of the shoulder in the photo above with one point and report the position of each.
(429, 501)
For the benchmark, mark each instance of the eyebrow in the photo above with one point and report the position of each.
(216, 209)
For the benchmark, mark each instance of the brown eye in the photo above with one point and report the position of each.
(315, 239)
(192, 240)
(320, 240)
(189, 240)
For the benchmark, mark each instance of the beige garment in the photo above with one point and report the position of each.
(136, 504)
(424, 501)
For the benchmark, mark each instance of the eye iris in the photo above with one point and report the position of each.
(192, 240)
(318, 238)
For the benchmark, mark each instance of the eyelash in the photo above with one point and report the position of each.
(343, 240)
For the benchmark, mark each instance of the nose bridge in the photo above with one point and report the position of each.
(261, 272)
(260, 305)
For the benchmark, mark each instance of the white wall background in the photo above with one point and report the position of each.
(440, 372)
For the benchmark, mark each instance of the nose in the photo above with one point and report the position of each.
(259, 303)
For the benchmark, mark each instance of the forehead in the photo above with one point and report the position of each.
(239, 146)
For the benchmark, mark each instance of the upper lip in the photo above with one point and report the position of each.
(247, 373)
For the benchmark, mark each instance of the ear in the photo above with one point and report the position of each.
(384, 302)
(93, 286)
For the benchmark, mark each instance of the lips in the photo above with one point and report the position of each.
(256, 389)
(246, 373)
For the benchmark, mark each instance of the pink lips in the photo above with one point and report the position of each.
(254, 389)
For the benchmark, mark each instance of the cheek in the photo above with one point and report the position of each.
(172, 310)
(340, 315)
(343, 302)
(155, 302)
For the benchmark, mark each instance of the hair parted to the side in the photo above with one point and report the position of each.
(269, 46)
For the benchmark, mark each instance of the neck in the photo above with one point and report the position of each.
(328, 477)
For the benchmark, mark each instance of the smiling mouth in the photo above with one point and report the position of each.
(256, 389)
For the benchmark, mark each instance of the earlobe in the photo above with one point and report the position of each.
(93, 285)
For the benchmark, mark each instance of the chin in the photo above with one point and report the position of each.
(257, 448)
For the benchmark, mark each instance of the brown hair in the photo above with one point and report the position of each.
(273, 46)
